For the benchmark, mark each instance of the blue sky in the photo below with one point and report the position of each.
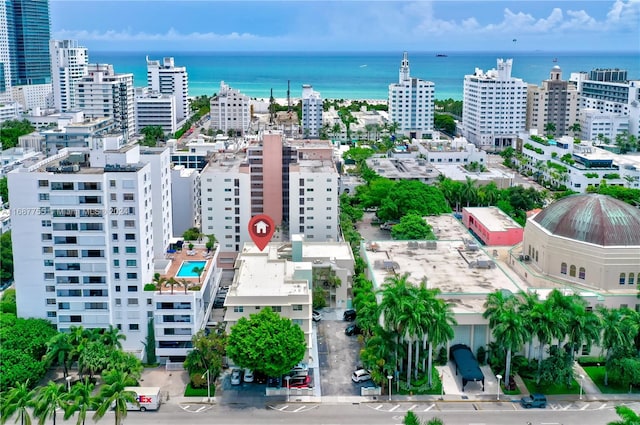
(361, 25)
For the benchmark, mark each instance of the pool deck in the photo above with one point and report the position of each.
(199, 254)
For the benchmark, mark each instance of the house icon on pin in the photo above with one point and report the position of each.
(261, 227)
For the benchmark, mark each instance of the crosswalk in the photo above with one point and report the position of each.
(294, 408)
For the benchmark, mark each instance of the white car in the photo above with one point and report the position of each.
(235, 377)
(248, 375)
(361, 375)
(316, 315)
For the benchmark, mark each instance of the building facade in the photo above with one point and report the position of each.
(230, 111)
(69, 64)
(311, 112)
(166, 78)
(155, 109)
(411, 103)
(492, 226)
(494, 107)
(103, 93)
(552, 108)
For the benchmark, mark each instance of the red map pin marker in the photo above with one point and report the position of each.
(261, 228)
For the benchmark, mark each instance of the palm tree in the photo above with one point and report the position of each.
(575, 128)
(185, 284)
(198, 271)
(48, 399)
(159, 281)
(469, 190)
(526, 303)
(18, 399)
(81, 400)
(496, 304)
(549, 128)
(414, 322)
(79, 338)
(583, 326)
(511, 332)
(173, 282)
(628, 416)
(59, 350)
(112, 336)
(115, 395)
(440, 330)
(548, 323)
(615, 333)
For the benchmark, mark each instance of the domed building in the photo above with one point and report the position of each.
(591, 240)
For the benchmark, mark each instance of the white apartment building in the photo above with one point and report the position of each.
(185, 195)
(69, 63)
(599, 125)
(103, 93)
(576, 165)
(9, 111)
(155, 109)
(33, 96)
(230, 110)
(166, 78)
(554, 102)
(76, 135)
(90, 216)
(613, 94)
(411, 103)
(494, 107)
(5, 68)
(311, 112)
(313, 199)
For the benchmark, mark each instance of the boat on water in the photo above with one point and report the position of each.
(441, 55)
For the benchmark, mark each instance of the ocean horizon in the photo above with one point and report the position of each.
(356, 75)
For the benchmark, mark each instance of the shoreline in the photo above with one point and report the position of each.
(295, 100)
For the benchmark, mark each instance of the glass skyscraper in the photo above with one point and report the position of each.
(29, 31)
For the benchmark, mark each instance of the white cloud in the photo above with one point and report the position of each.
(170, 35)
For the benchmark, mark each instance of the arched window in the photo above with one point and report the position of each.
(563, 268)
(572, 271)
(631, 279)
(536, 255)
(622, 278)
(581, 273)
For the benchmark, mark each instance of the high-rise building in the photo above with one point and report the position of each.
(609, 91)
(5, 60)
(166, 78)
(494, 107)
(411, 103)
(69, 64)
(295, 183)
(553, 105)
(230, 110)
(29, 33)
(103, 93)
(155, 109)
(311, 112)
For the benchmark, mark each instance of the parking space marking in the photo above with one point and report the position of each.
(295, 408)
(429, 408)
(299, 409)
(201, 409)
(378, 408)
(198, 408)
(584, 407)
(394, 408)
(283, 408)
(567, 407)
(413, 407)
(602, 407)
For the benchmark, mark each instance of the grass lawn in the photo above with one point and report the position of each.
(552, 389)
(198, 392)
(596, 373)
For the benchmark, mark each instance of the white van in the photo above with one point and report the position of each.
(148, 398)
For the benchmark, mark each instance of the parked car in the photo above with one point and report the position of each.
(349, 315)
(361, 375)
(534, 400)
(248, 375)
(316, 316)
(301, 382)
(259, 378)
(236, 377)
(353, 330)
(274, 382)
(387, 225)
(301, 369)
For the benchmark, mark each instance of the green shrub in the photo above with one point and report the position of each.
(481, 355)
(149, 287)
(199, 392)
(441, 357)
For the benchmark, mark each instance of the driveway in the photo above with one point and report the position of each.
(372, 232)
(339, 355)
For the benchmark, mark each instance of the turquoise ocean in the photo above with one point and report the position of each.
(355, 75)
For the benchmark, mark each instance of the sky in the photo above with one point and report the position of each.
(359, 25)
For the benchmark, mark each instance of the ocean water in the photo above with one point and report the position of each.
(355, 75)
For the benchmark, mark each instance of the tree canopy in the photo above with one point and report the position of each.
(412, 227)
(6, 257)
(11, 130)
(414, 196)
(267, 343)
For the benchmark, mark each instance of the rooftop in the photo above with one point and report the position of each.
(405, 168)
(493, 218)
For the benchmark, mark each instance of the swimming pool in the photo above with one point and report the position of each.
(187, 269)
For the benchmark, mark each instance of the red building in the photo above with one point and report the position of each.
(492, 226)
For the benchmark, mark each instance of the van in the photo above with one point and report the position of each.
(148, 398)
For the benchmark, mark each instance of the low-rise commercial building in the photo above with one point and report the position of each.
(492, 226)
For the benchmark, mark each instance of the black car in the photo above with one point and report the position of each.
(352, 330)
(274, 382)
(349, 315)
(259, 378)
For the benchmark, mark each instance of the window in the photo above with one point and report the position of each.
(43, 183)
(116, 263)
(130, 236)
(131, 263)
(581, 273)
(238, 309)
(297, 307)
(631, 278)
(572, 270)
(130, 249)
(127, 196)
(43, 196)
(118, 301)
(132, 288)
(132, 275)
(622, 278)
(276, 309)
(563, 268)
(134, 326)
(132, 301)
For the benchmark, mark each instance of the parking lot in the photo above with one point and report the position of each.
(372, 232)
(339, 355)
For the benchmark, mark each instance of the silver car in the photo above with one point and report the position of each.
(361, 375)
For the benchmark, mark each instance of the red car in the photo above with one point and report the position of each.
(301, 382)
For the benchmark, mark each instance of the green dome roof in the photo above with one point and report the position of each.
(592, 218)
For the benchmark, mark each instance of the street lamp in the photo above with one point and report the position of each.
(208, 385)
(389, 377)
(498, 391)
(68, 378)
(442, 385)
(287, 378)
(581, 383)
